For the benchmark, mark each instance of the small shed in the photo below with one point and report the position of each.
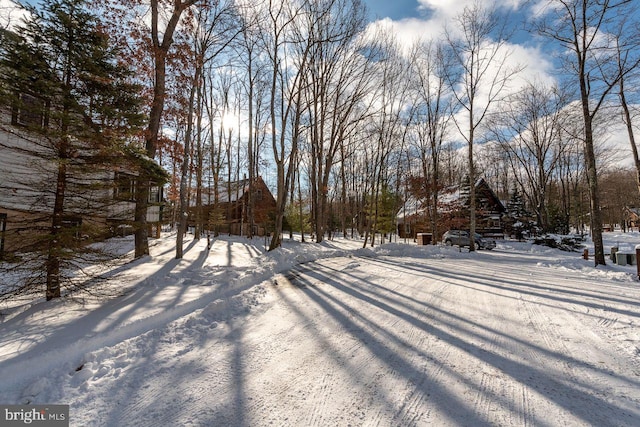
(424, 238)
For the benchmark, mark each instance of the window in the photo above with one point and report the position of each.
(492, 221)
(258, 195)
(155, 194)
(74, 224)
(29, 111)
(125, 187)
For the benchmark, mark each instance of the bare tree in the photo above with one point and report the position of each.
(529, 132)
(287, 40)
(216, 87)
(481, 71)
(214, 30)
(432, 106)
(186, 161)
(249, 46)
(161, 40)
(387, 127)
(336, 80)
(591, 30)
(570, 179)
(624, 56)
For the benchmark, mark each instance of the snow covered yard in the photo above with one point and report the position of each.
(331, 334)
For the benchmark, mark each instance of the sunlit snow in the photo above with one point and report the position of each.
(333, 335)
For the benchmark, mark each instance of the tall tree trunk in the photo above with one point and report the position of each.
(301, 211)
(229, 171)
(592, 171)
(472, 185)
(434, 197)
(629, 124)
(160, 50)
(594, 197)
(55, 245)
(185, 181)
(199, 220)
(250, 142)
(141, 233)
(343, 192)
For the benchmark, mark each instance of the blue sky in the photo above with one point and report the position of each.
(394, 9)
(412, 19)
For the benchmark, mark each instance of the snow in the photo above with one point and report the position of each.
(334, 334)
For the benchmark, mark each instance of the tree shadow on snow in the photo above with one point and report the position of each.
(333, 289)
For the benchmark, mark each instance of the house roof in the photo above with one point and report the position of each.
(237, 190)
(634, 211)
(412, 206)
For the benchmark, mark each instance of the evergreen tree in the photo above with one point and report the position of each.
(515, 205)
(72, 102)
(517, 219)
(297, 222)
(387, 209)
(382, 211)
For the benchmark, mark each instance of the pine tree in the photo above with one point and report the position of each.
(515, 205)
(388, 204)
(518, 219)
(74, 104)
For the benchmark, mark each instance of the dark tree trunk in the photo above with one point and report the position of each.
(55, 245)
(629, 124)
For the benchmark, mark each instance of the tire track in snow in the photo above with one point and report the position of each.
(315, 362)
(559, 390)
(384, 373)
(555, 346)
(319, 407)
(370, 383)
(559, 339)
(570, 345)
(405, 334)
(614, 329)
(412, 410)
(410, 340)
(496, 347)
(495, 394)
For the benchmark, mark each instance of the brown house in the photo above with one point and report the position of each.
(230, 214)
(631, 218)
(453, 213)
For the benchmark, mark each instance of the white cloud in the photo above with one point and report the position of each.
(406, 31)
(535, 63)
(10, 14)
(437, 15)
(443, 9)
(541, 8)
(538, 66)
